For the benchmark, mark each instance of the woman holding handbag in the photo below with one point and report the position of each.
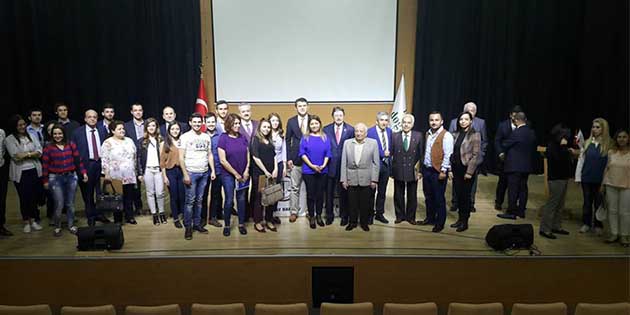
(617, 184)
(149, 170)
(172, 172)
(265, 169)
(277, 136)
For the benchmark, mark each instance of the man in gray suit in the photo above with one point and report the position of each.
(480, 126)
(360, 163)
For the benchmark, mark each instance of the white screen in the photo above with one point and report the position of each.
(323, 50)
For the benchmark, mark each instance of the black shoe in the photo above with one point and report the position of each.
(200, 229)
(453, 208)
(547, 235)
(103, 219)
(5, 232)
(350, 227)
(311, 223)
(413, 222)
(560, 231)
(344, 221)
(242, 230)
(91, 222)
(371, 220)
(497, 206)
(399, 221)
(177, 224)
(215, 223)
(132, 221)
(188, 233)
(506, 216)
(473, 209)
(226, 231)
(457, 224)
(382, 219)
(276, 220)
(426, 222)
(163, 218)
(462, 227)
(365, 227)
(437, 228)
(319, 221)
(329, 221)
(156, 219)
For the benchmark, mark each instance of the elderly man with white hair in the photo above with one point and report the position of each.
(407, 146)
(360, 163)
(478, 125)
(248, 125)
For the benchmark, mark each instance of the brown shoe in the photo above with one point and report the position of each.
(293, 217)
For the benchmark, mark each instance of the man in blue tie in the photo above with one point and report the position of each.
(383, 136)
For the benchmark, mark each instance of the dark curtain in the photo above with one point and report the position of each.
(561, 60)
(89, 52)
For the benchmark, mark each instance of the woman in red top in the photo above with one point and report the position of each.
(61, 164)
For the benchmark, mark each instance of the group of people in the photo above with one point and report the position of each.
(212, 160)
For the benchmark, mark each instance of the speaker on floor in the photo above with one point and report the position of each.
(333, 285)
(104, 237)
(510, 236)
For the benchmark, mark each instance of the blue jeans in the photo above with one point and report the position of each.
(194, 196)
(63, 187)
(229, 186)
(434, 189)
(177, 191)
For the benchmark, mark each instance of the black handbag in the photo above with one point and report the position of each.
(106, 201)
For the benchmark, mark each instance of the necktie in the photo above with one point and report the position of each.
(383, 140)
(338, 134)
(303, 126)
(406, 143)
(94, 145)
(248, 128)
(39, 137)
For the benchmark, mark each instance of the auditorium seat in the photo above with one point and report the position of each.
(539, 309)
(602, 309)
(172, 309)
(410, 309)
(347, 309)
(40, 309)
(475, 309)
(90, 310)
(218, 309)
(281, 309)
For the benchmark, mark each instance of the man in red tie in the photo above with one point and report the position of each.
(338, 132)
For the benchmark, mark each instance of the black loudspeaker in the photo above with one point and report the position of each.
(104, 237)
(510, 236)
(333, 285)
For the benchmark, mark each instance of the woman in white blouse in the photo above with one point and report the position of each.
(118, 159)
(280, 145)
(25, 170)
(149, 170)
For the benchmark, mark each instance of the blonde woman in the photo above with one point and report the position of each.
(149, 170)
(590, 172)
(617, 184)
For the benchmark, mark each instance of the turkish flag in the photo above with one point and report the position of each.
(201, 106)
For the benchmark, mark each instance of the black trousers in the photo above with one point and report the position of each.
(30, 185)
(332, 185)
(4, 184)
(315, 193)
(405, 211)
(592, 201)
(359, 204)
(92, 186)
(216, 199)
(462, 188)
(137, 197)
(502, 185)
(381, 190)
(129, 193)
(517, 193)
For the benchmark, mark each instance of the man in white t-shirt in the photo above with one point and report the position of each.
(197, 164)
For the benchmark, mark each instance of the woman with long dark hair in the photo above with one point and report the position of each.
(172, 173)
(280, 145)
(61, 165)
(263, 155)
(149, 169)
(25, 170)
(315, 152)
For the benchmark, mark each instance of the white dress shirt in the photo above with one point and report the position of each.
(88, 134)
(447, 147)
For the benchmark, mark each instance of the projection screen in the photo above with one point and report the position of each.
(324, 50)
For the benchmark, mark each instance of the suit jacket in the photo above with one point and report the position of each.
(503, 132)
(70, 126)
(404, 162)
(242, 131)
(102, 129)
(469, 152)
(142, 155)
(80, 138)
(519, 150)
(293, 138)
(182, 127)
(373, 134)
(130, 131)
(363, 170)
(480, 126)
(347, 132)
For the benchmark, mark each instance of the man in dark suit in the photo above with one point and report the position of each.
(169, 116)
(297, 126)
(383, 136)
(480, 126)
(108, 116)
(407, 147)
(134, 129)
(503, 132)
(88, 139)
(248, 125)
(518, 148)
(62, 110)
(338, 132)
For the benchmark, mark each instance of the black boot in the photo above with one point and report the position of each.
(156, 219)
(457, 224)
(463, 226)
(163, 218)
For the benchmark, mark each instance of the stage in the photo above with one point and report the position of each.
(296, 239)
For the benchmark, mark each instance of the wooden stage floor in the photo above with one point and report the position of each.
(296, 239)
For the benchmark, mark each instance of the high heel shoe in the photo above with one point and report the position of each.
(259, 228)
(156, 219)
(163, 218)
(271, 227)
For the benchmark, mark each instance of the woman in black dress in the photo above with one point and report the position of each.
(263, 155)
